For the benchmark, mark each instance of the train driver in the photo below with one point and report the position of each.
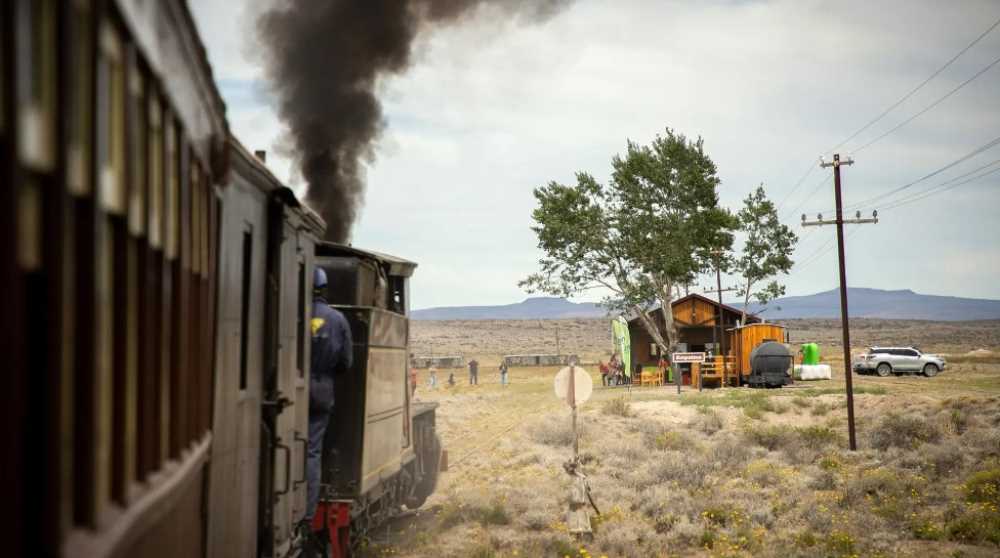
(332, 353)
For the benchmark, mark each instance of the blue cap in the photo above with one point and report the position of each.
(319, 278)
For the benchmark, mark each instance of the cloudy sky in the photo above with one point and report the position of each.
(492, 109)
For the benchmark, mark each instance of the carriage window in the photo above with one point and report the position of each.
(80, 105)
(137, 149)
(172, 194)
(111, 121)
(29, 227)
(206, 224)
(300, 345)
(195, 220)
(245, 304)
(155, 172)
(36, 42)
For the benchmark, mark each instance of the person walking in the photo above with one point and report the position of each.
(332, 355)
(473, 372)
(433, 379)
(503, 373)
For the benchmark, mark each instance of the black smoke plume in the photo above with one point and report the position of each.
(323, 59)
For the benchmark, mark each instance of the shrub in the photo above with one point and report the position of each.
(829, 463)
(708, 422)
(672, 440)
(769, 437)
(825, 480)
(821, 409)
(984, 487)
(473, 507)
(903, 431)
(729, 452)
(779, 407)
(927, 530)
(556, 431)
(801, 402)
(535, 519)
(482, 551)
(618, 407)
(561, 546)
(763, 472)
(871, 483)
(840, 543)
(959, 420)
(979, 522)
(495, 514)
(944, 460)
(818, 436)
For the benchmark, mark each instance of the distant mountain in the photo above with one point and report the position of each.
(877, 303)
(535, 308)
(864, 303)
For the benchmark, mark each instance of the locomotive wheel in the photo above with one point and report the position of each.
(883, 370)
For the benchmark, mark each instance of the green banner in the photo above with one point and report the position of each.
(619, 332)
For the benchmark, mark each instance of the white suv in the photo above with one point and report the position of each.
(897, 360)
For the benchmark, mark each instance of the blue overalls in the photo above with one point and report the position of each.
(332, 352)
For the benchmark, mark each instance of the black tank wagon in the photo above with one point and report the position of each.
(770, 365)
(155, 281)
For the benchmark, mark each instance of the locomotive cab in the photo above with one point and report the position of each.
(372, 455)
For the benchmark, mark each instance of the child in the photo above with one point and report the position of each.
(503, 373)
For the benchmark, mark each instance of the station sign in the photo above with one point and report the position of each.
(687, 357)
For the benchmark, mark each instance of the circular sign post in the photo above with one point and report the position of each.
(582, 385)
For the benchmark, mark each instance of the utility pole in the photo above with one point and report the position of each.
(722, 331)
(840, 221)
(557, 341)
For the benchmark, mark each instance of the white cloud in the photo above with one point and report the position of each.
(491, 110)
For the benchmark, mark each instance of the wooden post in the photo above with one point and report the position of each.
(571, 399)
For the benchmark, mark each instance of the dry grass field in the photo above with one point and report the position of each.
(732, 472)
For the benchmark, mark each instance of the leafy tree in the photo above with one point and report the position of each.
(766, 252)
(651, 228)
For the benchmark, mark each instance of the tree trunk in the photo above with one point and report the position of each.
(746, 302)
(665, 292)
(652, 330)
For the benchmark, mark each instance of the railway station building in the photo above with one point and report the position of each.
(696, 320)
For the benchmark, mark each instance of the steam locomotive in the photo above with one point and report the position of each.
(155, 281)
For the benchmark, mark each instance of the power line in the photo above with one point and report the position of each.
(788, 196)
(808, 197)
(988, 145)
(867, 202)
(917, 88)
(945, 183)
(886, 112)
(938, 190)
(929, 107)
